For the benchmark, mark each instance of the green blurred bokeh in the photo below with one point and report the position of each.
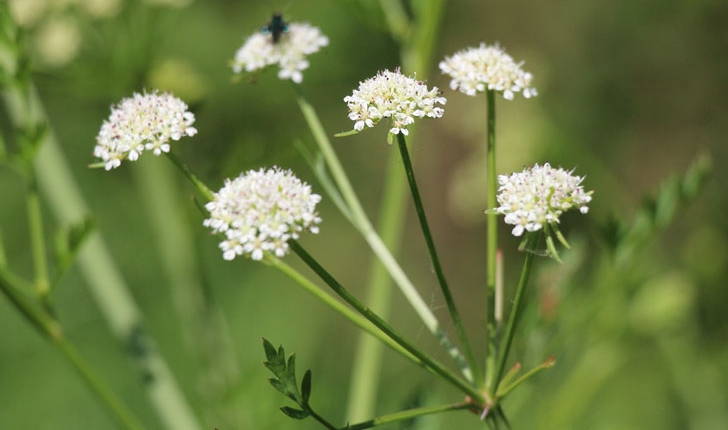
(629, 93)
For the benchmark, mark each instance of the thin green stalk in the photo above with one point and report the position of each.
(492, 241)
(432, 365)
(408, 414)
(416, 51)
(362, 223)
(396, 17)
(202, 323)
(124, 416)
(337, 306)
(51, 330)
(37, 241)
(508, 388)
(368, 356)
(97, 266)
(513, 320)
(201, 187)
(419, 208)
(321, 419)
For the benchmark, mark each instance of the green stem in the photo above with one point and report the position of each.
(362, 223)
(118, 409)
(202, 323)
(513, 320)
(396, 17)
(508, 388)
(408, 414)
(368, 356)
(416, 50)
(51, 330)
(419, 208)
(35, 223)
(96, 264)
(492, 241)
(321, 419)
(432, 365)
(201, 187)
(337, 306)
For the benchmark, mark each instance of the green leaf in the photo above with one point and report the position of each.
(284, 371)
(294, 413)
(306, 386)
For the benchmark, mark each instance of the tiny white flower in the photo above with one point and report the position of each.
(289, 52)
(260, 210)
(474, 70)
(538, 196)
(396, 96)
(143, 122)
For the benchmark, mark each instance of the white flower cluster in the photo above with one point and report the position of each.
(290, 52)
(539, 195)
(475, 69)
(396, 96)
(144, 122)
(260, 210)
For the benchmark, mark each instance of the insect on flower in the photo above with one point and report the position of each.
(276, 27)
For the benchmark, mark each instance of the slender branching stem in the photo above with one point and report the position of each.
(361, 222)
(432, 365)
(95, 262)
(513, 319)
(408, 414)
(337, 306)
(201, 187)
(51, 330)
(37, 241)
(427, 234)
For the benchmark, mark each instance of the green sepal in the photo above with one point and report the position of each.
(295, 413)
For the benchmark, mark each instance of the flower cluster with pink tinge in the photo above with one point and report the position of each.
(395, 96)
(143, 122)
(538, 196)
(473, 70)
(260, 211)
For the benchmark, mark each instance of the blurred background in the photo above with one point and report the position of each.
(630, 93)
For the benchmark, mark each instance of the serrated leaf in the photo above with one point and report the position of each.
(294, 413)
(270, 351)
(306, 387)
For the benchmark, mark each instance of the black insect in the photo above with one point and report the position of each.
(276, 27)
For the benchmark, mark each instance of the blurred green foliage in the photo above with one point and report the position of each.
(630, 93)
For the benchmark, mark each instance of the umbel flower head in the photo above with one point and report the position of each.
(144, 122)
(288, 50)
(260, 210)
(535, 198)
(474, 70)
(395, 96)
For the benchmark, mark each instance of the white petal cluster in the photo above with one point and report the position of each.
(144, 122)
(289, 53)
(539, 195)
(395, 96)
(474, 70)
(260, 210)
